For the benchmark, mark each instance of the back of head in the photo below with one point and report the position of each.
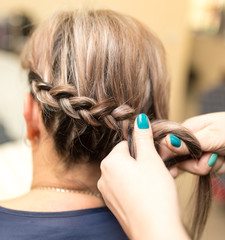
(93, 72)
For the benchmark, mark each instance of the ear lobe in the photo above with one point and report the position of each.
(31, 114)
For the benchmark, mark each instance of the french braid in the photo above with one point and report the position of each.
(92, 73)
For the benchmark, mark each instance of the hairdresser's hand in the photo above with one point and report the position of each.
(140, 192)
(209, 129)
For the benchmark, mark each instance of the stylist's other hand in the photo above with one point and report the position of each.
(140, 192)
(209, 129)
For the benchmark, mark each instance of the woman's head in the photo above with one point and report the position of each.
(93, 71)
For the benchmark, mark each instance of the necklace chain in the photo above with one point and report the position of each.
(69, 190)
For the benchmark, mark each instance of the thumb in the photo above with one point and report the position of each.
(143, 138)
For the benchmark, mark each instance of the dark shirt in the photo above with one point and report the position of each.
(93, 224)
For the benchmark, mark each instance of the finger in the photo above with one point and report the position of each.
(206, 142)
(121, 147)
(171, 146)
(221, 171)
(174, 171)
(121, 150)
(217, 168)
(197, 123)
(176, 145)
(143, 138)
(199, 167)
(119, 153)
(100, 185)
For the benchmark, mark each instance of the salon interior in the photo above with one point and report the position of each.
(193, 33)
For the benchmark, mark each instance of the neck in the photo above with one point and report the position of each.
(49, 170)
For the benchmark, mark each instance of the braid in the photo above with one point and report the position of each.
(79, 120)
(92, 73)
(64, 98)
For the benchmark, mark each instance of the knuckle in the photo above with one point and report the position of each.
(143, 137)
(109, 161)
(201, 170)
(204, 171)
(121, 145)
(103, 165)
(99, 184)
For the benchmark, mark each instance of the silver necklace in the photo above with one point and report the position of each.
(69, 190)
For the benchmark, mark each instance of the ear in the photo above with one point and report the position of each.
(31, 114)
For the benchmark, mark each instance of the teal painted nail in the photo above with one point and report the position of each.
(212, 159)
(142, 121)
(175, 141)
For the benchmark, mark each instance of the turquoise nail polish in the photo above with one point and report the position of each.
(175, 141)
(142, 121)
(212, 159)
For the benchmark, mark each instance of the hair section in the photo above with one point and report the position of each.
(92, 72)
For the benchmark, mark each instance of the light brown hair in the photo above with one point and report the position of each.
(93, 72)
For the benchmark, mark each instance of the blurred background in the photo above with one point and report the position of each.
(193, 33)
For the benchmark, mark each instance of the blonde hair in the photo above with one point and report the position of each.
(93, 72)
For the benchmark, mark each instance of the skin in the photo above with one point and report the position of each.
(48, 170)
(137, 182)
(210, 132)
(152, 205)
(140, 174)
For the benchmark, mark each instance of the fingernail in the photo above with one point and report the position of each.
(212, 159)
(175, 141)
(142, 121)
